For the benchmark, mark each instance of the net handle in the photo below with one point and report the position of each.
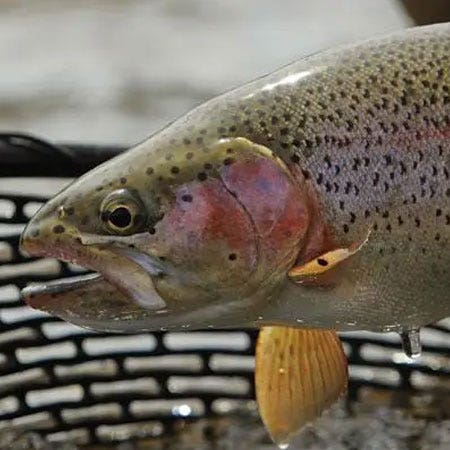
(23, 155)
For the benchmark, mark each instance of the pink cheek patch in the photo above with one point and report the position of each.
(276, 204)
(208, 227)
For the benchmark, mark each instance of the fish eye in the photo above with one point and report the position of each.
(122, 212)
(120, 217)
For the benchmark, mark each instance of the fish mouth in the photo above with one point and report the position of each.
(127, 274)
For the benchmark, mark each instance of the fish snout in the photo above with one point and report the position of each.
(29, 240)
(45, 231)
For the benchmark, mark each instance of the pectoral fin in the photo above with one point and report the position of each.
(325, 262)
(299, 373)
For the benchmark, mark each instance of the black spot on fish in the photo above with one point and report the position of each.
(123, 180)
(322, 262)
(187, 198)
(58, 229)
(202, 176)
(175, 170)
(232, 256)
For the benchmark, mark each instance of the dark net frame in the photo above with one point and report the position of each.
(69, 384)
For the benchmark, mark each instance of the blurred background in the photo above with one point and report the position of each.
(115, 71)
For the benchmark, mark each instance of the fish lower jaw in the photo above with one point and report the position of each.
(35, 294)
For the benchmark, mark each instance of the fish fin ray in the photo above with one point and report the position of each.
(288, 362)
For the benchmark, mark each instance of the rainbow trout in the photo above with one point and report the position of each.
(312, 200)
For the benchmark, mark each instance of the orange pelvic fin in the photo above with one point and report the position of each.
(299, 373)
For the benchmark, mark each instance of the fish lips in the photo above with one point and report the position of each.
(128, 270)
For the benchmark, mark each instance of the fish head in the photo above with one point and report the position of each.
(176, 235)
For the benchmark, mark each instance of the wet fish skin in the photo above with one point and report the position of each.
(365, 130)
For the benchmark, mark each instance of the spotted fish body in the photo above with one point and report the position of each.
(364, 129)
(369, 126)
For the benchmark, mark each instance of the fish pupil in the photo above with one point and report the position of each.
(120, 217)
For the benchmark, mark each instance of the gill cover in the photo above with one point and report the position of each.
(237, 221)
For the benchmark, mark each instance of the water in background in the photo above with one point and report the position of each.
(114, 71)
